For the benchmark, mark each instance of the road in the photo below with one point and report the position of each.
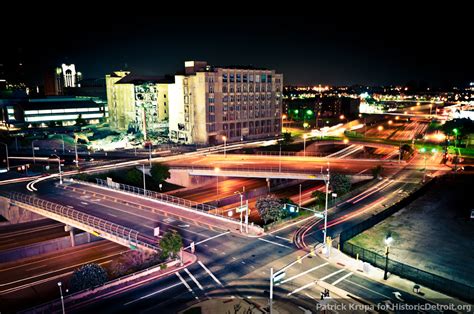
(33, 280)
(12, 236)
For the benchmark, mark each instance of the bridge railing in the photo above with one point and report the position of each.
(96, 223)
(165, 198)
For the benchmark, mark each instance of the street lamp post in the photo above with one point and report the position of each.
(241, 205)
(62, 297)
(59, 169)
(225, 144)
(75, 152)
(150, 146)
(300, 196)
(6, 150)
(388, 240)
(144, 184)
(326, 210)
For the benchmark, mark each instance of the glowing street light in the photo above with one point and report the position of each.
(224, 138)
(305, 125)
(345, 141)
(341, 117)
(390, 122)
(380, 128)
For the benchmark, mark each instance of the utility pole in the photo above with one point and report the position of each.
(150, 152)
(62, 297)
(300, 196)
(144, 184)
(75, 151)
(62, 138)
(326, 211)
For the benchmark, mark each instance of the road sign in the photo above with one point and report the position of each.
(319, 214)
(279, 277)
(241, 209)
(334, 194)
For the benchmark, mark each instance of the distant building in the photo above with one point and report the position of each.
(201, 105)
(138, 102)
(62, 77)
(208, 103)
(51, 111)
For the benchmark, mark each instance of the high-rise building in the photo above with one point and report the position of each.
(202, 105)
(210, 103)
(138, 102)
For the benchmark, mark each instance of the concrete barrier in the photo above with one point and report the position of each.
(44, 247)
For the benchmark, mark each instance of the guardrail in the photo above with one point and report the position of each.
(165, 198)
(99, 224)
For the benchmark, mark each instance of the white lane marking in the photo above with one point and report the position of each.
(341, 279)
(193, 278)
(282, 238)
(186, 284)
(332, 274)
(153, 293)
(208, 239)
(111, 215)
(84, 203)
(302, 288)
(310, 296)
(305, 272)
(275, 243)
(210, 274)
(356, 284)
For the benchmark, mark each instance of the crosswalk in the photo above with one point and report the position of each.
(196, 282)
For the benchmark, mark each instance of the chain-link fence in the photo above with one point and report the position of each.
(419, 276)
(98, 224)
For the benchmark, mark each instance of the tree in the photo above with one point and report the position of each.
(134, 177)
(377, 171)
(320, 197)
(170, 244)
(340, 184)
(88, 276)
(287, 139)
(80, 121)
(160, 173)
(270, 208)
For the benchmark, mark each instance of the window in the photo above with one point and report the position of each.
(245, 78)
(251, 78)
(232, 77)
(224, 88)
(263, 78)
(225, 98)
(239, 78)
(212, 109)
(224, 78)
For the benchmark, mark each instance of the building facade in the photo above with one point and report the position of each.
(51, 111)
(212, 104)
(137, 102)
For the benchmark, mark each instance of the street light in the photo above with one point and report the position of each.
(225, 144)
(62, 297)
(388, 240)
(59, 169)
(6, 150)
(216, 170)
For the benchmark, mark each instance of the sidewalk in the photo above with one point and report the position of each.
(357, 267)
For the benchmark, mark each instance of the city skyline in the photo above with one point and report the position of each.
(345, 51)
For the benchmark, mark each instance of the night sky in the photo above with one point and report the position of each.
(337, 49)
